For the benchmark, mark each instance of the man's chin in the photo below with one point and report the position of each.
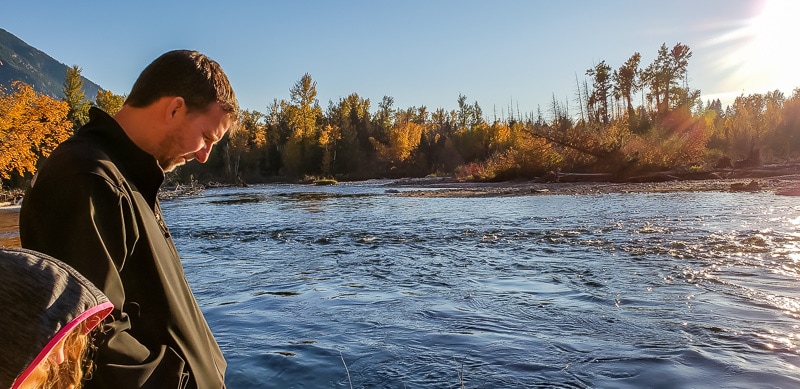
(172, 165)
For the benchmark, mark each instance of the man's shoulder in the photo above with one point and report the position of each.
(80, 147)
(96, 140)
(79, 155)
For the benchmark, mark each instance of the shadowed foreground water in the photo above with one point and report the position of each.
(9, 226)
(685, 290)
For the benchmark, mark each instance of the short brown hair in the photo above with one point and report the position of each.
(188, 74)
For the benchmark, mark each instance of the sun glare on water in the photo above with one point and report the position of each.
(765, 56)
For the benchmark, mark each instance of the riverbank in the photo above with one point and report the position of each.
(445, 187)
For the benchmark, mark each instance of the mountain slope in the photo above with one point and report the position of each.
(20, 61)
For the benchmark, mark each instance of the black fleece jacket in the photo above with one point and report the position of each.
(93, 204)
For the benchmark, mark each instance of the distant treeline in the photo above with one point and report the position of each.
(627, 121)
(630, 120)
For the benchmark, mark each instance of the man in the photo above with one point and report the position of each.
(93, 204)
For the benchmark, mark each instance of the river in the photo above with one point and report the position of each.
(356, 286)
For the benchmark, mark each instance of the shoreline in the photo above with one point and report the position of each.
(437, 187)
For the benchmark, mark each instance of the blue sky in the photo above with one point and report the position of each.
(496, 53)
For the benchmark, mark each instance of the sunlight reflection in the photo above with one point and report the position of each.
(776, 341)
(786, 304)
(763, 57)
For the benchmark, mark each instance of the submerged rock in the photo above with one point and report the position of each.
(753, 186)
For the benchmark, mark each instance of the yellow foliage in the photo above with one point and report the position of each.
(404, 138)
(328, 138)
(109, 102)
(31, 126)
(239, 141)
(500, 136)
(329, 134)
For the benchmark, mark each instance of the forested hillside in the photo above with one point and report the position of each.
(22, 62)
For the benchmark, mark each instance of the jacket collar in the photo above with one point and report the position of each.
(141, 168)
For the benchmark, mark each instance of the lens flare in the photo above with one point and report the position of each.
(760, 54)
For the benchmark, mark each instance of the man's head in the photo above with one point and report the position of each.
(188, 104)
(188, 74)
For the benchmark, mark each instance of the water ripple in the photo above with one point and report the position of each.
(624, 291)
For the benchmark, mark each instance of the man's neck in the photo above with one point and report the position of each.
(142, 125)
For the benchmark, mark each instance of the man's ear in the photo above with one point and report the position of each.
(174, 106)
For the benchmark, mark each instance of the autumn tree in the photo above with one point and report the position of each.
(714, 117)
(531, 154)
(31, 126)
(745, 126)
(75, 97)
(443, 154)
(404, 137)
(472, 135)
(328, 139)
(679, 139)
(786, 138)
(773, 111)
(525, 155)
(302, 114)
(247, 145)
(278, 133)
(109, 102)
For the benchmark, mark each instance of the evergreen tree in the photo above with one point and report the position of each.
(601, 75)
(626, 81)
(663, 77)
(75, 97)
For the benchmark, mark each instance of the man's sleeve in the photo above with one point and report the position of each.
(89, 223)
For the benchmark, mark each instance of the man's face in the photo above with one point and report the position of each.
(193, 137)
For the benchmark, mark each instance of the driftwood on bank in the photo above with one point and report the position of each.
(664, 176)
(181, 190)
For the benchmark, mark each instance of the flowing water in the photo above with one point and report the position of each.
(355, 286)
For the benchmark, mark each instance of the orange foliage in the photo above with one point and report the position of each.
(31, 126)
(526, 156)
(680, 139)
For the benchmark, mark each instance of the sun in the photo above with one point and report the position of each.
(765, 56)
(774, 44)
